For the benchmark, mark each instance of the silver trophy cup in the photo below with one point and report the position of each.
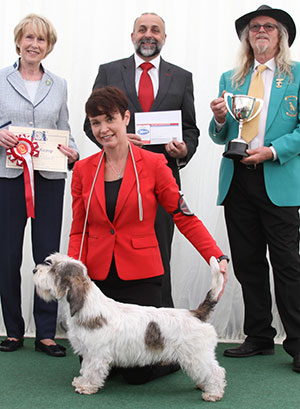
(241, 109)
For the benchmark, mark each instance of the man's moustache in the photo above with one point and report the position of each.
(262, 37)
(147, 41)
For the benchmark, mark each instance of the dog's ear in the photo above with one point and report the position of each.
(76, 300)
(75, 284)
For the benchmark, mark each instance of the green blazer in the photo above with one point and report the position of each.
(282, 176)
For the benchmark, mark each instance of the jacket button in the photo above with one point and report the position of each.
(112, 231)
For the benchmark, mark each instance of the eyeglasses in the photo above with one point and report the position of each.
(268, 27)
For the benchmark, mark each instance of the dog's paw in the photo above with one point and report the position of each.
(211, 398)
(86, 389)
(83, 387)
(76, 381)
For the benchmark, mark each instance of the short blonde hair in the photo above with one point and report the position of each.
(40, 25)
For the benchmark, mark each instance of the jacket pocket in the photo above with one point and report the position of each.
(142, 242)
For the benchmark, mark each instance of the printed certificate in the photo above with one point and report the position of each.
(159, 127)
(49, 158)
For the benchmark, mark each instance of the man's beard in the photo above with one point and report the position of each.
(261, 48)
(148, 51)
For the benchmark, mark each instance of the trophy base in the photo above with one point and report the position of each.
(236, 150)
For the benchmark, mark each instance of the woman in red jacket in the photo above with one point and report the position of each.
(115, 197)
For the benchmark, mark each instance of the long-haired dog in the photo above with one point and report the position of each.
(107, 333)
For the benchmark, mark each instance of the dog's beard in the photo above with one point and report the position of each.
(43, 286)
(44, 294)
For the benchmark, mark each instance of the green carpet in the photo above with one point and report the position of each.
(30, 380)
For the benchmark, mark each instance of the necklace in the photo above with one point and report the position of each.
(116, 172)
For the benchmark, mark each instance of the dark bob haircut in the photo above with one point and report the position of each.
(106, 101)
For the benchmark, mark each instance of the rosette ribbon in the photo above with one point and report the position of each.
(22, 155)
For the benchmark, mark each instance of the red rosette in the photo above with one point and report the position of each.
(22, 155)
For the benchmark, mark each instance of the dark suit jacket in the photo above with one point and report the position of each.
(175, 92)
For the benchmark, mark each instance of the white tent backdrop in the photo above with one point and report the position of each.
(200, 38)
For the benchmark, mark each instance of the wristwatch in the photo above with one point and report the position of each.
(223, 258)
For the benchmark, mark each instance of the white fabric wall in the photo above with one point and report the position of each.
(200, 38)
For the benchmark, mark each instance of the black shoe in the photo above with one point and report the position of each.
(52, 350)
(10, 346)
(249, 349)
(296, 363)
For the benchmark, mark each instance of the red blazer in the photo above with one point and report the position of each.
(133, 242)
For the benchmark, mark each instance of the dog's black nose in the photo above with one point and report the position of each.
(34, 270)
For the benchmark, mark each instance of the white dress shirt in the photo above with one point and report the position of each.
(267, 76)
(153, 73)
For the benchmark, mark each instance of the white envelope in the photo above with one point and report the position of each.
(159, 127)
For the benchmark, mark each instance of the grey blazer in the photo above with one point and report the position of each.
(48, 111)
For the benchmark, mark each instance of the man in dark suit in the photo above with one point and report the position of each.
(172, 90)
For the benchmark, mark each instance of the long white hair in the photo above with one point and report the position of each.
(245, 58)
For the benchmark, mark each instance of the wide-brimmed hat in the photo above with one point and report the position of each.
(279, 15)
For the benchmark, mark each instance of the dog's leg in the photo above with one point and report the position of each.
(209, 377)
(214, 384)
(94, 371)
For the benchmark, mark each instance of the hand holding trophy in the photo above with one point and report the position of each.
(241, 109)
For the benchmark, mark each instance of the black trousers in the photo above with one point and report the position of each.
(164, 230)
(254, 225)
(45, 237)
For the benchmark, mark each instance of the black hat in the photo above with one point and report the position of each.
(279, 15)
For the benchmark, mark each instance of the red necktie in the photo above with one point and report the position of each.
(146, 94)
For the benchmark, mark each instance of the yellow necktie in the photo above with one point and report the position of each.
(256, 89)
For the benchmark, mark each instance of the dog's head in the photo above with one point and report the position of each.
(59, 276)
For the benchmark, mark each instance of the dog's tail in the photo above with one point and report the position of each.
(205, 309)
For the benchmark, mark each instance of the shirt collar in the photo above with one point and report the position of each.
(139, 61)
(16, 65)
(271, 64)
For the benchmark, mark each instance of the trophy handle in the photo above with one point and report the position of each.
(226, 96)
(261, 103)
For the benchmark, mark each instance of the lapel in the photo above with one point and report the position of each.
(17, 82)
(44, 88)
(99, 185)
(243, 89)
(128, 74)
(128, 182)
(165, 78)
(277, 94)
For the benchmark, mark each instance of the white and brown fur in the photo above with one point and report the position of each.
(107, 333)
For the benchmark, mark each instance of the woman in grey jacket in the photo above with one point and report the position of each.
(30, 96)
